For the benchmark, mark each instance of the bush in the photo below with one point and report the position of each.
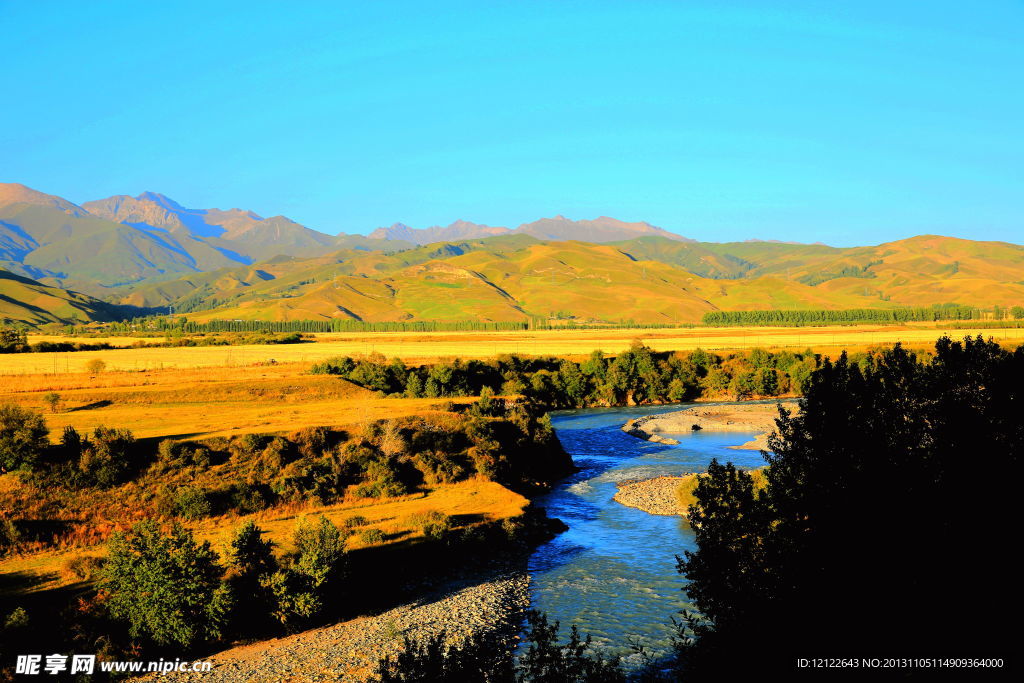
(354, 521)
(314, 568)
(84, 567)
(106, 457)
(166, 587)
(10, 536)
(252, 563)
(96, 366)
(192, 503)
(486, 658)
(319, 550)
(52, 399)
(432, 524)
(17, 619)
(249, 498)
(174, 455)
(23, 438)
(372, 536)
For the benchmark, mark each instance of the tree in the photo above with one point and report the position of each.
(251, 562)
(52, 400)
(871, 499)
(95, 366)
(13, 340)
(23, 437)
(167, 587)
(313, 570)
(106, 457)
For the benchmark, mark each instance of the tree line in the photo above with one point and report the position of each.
(858, 315)
(638, 375)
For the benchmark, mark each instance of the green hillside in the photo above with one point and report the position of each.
(650, 279)
(27, 302)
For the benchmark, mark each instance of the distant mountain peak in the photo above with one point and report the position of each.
(459, 230)
(16, 193)
(600, 229)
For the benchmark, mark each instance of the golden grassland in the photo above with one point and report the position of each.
(197, 392)
(429, 347)
(190, 403)
(468, 502)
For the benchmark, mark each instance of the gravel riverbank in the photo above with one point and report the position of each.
(750, 417)
(491, 599)
(655, 496)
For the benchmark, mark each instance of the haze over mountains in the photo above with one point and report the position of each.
(65, 262)
(599, 230)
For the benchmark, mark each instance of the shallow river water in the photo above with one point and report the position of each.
(613, 573)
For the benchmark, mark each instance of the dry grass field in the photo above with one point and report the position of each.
(190, 403)
(428, 347)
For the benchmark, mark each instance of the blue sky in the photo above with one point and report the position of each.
(847, 123)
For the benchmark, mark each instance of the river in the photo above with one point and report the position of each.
(613, 573)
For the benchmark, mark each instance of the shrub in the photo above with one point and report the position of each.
(166, 587)
(372, 536)
(17, 619)
(487, 659)
(319, 550)
(12, 340)
(174, 455)
(96, 366)
(106, 456)
(311, 442)
(252, 563)
(248, 498)
(315, 565)
(52, 400)
(354, 521)
(10, 536)
(381, 481)
(432, 524)
(248, 553)
(187, 502)
(23, 437)
(83, 567)
(192, 503)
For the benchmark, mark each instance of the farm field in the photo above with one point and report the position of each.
(428, 347)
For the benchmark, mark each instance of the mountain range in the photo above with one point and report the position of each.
(63, 262)
(599, 230)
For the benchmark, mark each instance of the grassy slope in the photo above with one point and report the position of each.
(510, 278)
(647, 280)
(23, 300)
(476, 500)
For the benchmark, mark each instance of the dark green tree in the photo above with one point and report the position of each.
(891, 492)
(168, 588)
(23, 437)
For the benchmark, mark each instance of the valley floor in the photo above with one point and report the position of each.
(430, 346)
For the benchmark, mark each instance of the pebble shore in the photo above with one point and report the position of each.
(488, 600)
(655, 496)
(753, 417)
